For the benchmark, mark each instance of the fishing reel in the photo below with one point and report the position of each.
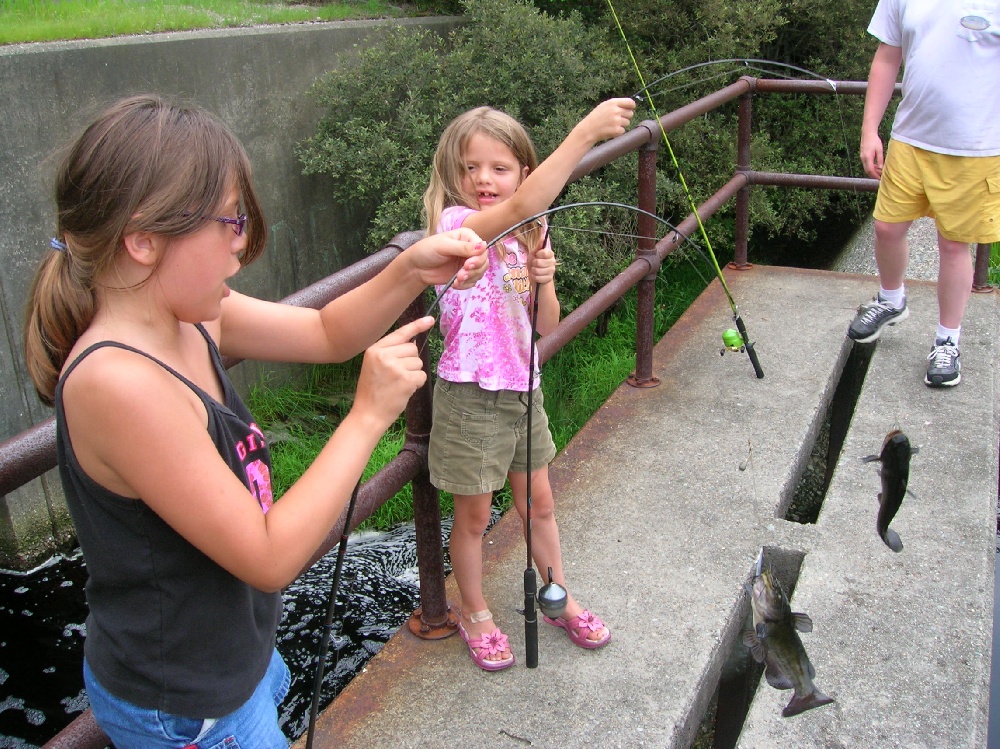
(732, 341)
(552, 598)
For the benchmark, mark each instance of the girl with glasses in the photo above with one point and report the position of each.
(165, 472)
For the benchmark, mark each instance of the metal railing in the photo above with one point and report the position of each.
(28, 455)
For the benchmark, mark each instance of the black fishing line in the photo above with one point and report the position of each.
(324, 642)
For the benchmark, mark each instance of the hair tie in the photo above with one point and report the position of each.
(55, 244)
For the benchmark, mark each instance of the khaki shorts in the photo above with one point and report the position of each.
(478, 436)
(962, 193)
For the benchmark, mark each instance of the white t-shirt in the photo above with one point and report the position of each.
(487, 329)
(951, 73)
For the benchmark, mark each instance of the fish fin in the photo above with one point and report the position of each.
(802, 622)
(757, 651)
(871, 458)
(799, 704)
(776, 678)
(892, 540)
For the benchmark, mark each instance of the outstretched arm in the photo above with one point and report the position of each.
(881, 84)
(158, 449)
(253, 328)
(607, 120)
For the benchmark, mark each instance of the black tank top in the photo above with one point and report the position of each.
(169, 629)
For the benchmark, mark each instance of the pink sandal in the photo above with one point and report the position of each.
(579, 628)
(491, 643)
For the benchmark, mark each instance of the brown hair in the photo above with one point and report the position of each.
(445, 187)
(143, 165)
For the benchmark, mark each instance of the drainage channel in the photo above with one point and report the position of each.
(740, 676)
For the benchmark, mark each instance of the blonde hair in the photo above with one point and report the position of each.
(445, 187)
(143, 165)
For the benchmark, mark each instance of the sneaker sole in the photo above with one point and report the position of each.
(944, 384)
(874, 336)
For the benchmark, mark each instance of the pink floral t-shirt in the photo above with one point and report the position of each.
(487, 329)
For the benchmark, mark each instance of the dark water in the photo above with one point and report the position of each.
(42, 630)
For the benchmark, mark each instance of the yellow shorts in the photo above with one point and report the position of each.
(962, 193)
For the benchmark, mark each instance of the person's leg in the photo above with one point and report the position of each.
(954, 285)
(472, 516)
(545, 547)
(892, 253)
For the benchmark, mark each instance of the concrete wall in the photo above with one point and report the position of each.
(256, 80)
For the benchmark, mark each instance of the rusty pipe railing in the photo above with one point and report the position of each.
(31, 453)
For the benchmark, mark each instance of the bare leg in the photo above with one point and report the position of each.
(545, 547)
(472, 515)
(892, 253)
(954, 285)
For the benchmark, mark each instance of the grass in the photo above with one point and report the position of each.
(53, 20)
(577, 381)
(994, 271)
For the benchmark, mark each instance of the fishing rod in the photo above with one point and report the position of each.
(741, 327)
(738, 340)
(748, 63)
(530, 584)
(330, 608)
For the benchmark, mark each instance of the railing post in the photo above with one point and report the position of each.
(743, 132)
(646, 289)
(981, 274)
(433, 619)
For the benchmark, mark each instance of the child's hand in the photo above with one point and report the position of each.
(437, 258)
(391, 372)
(542, 265)
(609, 119)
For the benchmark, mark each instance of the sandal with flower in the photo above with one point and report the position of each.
(579, 628)
(491, 643)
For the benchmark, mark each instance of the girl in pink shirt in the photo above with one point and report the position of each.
(486, 177)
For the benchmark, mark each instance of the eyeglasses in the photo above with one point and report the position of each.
(239, 223)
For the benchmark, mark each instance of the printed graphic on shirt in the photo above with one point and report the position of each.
(257, 470)
(516, 278)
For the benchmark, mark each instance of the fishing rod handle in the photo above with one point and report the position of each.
(749, 347)
(530, 620)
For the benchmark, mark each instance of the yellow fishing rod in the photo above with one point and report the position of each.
(745, 342)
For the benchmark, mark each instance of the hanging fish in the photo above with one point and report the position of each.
(775, 642)
(895, 472)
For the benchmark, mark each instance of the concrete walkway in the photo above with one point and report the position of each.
(667, 497)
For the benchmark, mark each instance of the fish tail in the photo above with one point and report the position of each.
(799, 704)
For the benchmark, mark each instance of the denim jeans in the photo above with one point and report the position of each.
(254, 725)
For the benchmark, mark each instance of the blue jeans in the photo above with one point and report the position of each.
(254, 725)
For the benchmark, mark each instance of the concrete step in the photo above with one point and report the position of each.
(666, 498)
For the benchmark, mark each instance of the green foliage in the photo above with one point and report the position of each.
(807, 134)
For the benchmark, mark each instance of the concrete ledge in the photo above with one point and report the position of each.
(660, 528)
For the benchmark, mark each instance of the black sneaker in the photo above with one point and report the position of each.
(943, 367)
(872, 317)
